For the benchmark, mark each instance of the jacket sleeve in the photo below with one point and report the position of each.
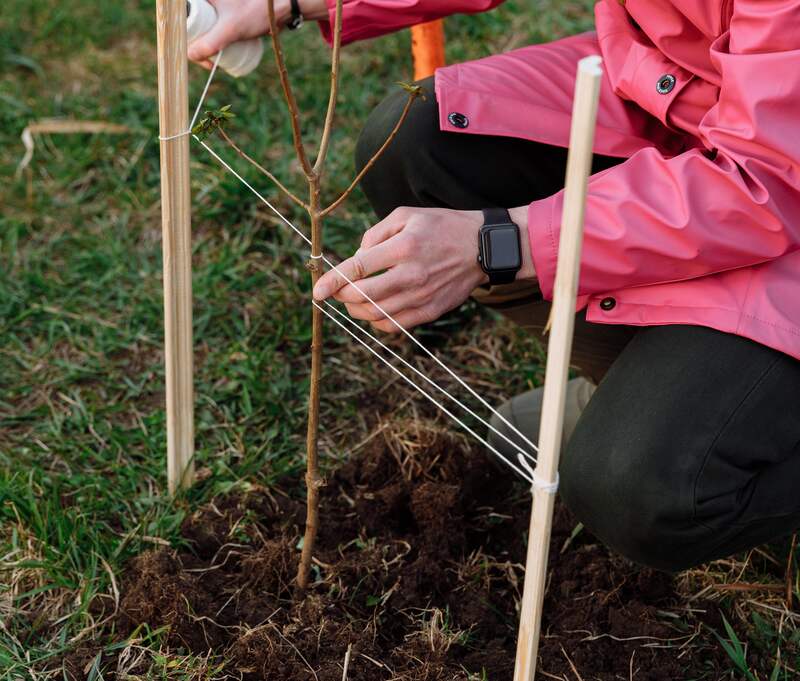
(734, 204)
(370, 18)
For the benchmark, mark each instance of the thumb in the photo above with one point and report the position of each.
(208, 44)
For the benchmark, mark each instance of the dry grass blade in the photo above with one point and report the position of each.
(744, 586)
(57, 126)
(790, 574)
(571, 665)
(294, 647)
(347, 661)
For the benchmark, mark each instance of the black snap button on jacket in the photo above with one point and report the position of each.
(608, 304)
(665, 84)
(458, 120)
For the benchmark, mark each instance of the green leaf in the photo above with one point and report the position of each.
(24, 62)
(735, 650)
(412, 89)
(212, 121)
(775, 672)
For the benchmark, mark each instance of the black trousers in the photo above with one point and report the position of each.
(690, 448)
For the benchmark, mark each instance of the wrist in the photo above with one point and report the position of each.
(520, 217)
(480, 277)
(314, 10)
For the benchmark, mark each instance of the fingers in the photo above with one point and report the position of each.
(207, 45)
(362, 264)
(387, 245)
(404, 277)
(392, 306)
(386, 228)
(408, 319)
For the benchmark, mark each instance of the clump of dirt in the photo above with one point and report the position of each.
(418, 570)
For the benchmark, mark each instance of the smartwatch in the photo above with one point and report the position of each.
(499, 250)
(296, 20)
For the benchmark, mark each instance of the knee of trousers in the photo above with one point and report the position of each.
(617, 490)
(395, 177)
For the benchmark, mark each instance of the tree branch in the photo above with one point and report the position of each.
(411, 97)
(291, 102)
(335, 60)
(263, 170)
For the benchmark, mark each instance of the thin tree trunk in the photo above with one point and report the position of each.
(313, 479)
(313, 175)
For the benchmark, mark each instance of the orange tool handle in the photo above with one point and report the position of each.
(427, 47)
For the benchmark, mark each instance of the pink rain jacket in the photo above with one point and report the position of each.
(701, 223)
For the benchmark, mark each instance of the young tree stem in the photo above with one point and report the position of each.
(334, 94)
(262, 169)
(411, 97)
(291, 102)
(313, 479)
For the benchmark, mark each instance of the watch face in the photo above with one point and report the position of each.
(502, 247)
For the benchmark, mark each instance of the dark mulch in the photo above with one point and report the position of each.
(418, 569)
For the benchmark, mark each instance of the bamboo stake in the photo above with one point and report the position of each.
(427, 48)
(173, 114)
(584, 116)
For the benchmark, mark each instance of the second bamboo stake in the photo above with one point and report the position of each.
(173, 114)
(584, 117)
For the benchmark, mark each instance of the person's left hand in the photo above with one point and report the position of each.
(427, 259)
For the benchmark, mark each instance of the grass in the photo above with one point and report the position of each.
(82, 427)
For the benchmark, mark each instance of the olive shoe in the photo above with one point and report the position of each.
(524, 412)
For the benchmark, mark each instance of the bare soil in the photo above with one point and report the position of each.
(418, 568)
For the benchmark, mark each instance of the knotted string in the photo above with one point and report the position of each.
(526, 471)
(537, 482)
(199, 103)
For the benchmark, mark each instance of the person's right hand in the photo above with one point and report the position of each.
(237, 20)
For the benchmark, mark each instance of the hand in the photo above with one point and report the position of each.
(244, 19)
(427, 259)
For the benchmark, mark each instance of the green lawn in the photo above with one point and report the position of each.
(82, 426)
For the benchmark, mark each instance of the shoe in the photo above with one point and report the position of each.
(525, 411)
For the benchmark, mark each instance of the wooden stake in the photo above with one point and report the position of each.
(427, 47)
(173, 114)
(584, 116)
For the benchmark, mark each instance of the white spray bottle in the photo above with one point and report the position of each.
(238, 59)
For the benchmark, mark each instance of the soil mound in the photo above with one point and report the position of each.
(418, 569)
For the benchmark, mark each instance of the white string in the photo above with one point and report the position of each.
(199, 103)
(430, 354)
(328, 262)
(538, 482)
(250, 187)
(520, 471)
(322, 256)
(431, 382)
(544, 485)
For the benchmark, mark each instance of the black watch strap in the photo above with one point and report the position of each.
(502, 277)
(296, 21)
(496, 216)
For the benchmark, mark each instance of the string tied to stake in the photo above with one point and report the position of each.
(188, 132)
(537, 481)
(545, 485)
(526, 471)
